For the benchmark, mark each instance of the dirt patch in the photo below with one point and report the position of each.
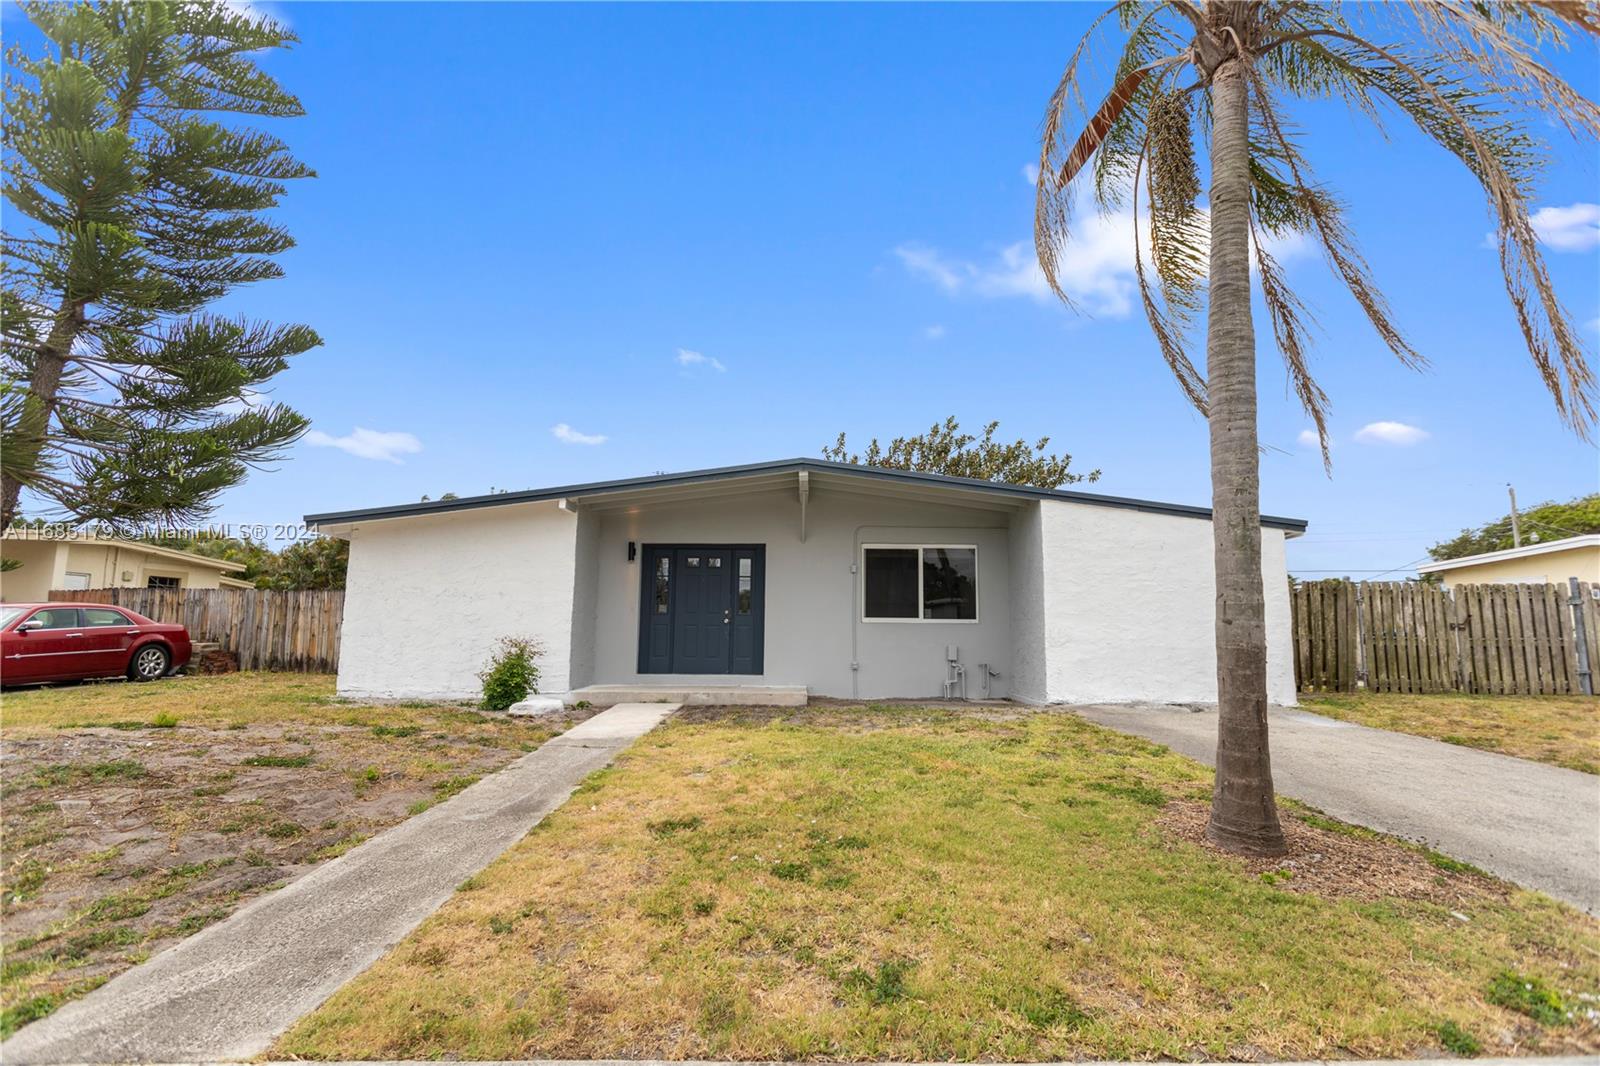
(121, 841)
(1345, 863)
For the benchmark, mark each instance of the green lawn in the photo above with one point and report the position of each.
(1562, 730)
(893, 884)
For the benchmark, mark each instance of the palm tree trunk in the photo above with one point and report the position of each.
(1244, 814)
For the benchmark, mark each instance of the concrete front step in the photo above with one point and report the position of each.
(694, 695)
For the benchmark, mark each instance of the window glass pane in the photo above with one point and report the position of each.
(57, 617)
(76, 580)
(157, 582)
(891, 582)
(693, 560)
(950, 583)
(663, 575)
(714, 561)
(101, 616)
(746, 585)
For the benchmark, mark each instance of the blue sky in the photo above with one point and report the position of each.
(526, 215)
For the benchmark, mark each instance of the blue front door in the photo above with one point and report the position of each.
(701, 609)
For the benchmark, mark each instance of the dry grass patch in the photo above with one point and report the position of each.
(136, 815)
(846, 884)
(1561, 730)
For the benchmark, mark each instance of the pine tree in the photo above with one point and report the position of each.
(136, 197)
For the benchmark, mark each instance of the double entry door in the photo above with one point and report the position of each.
(701, 609)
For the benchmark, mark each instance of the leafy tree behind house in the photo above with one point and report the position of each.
(137, 195)
(944, 449)
(318, 563)
(1195, 77)
(1547, 521)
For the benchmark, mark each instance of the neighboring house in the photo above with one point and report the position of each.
(798, 575)
(84, 560)
(1550, 562)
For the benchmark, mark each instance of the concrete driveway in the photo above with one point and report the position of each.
(1530, 823)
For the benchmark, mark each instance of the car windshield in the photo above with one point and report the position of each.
(7, 614)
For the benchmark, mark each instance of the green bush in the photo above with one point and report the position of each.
(511, 674)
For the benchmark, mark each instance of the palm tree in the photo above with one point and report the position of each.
(1469, 75)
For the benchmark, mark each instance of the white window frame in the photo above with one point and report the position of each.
(861, 564)
(88, 580)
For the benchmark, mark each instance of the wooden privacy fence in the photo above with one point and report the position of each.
(1403, 636)
(267, 630)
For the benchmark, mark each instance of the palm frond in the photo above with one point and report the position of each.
(1291, 323)
(1493, 146)
(1310, 209)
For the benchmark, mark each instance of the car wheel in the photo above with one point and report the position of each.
(149, 663)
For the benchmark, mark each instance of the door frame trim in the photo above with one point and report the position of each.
(647, 589)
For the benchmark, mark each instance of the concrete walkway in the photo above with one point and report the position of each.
(227, 992)
(1534, 824)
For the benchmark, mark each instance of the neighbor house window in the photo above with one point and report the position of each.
(76, 580)
(920, 583)
(158, 582)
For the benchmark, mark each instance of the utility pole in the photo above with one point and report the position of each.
(1516, 522)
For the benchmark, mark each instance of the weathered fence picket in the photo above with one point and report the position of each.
(266, 629)
(1403, 636)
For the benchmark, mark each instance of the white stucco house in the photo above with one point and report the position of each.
(793, 577)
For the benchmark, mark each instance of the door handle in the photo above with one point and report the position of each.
(725, 613)
(73, 634)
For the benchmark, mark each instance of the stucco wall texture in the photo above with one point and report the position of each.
(1076, 602)
(426, 599)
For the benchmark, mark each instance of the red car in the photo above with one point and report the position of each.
(71, 641)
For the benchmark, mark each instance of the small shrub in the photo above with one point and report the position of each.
(284, 830)
(511, 674)
(1527, 995)
(288, 761)
(704, 906)
(1457, 1040)
(164, 720)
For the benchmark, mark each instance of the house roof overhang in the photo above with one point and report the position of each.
(778, 474)
(1587, 540)
(93, 538)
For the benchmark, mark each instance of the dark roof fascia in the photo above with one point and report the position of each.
(779, 466)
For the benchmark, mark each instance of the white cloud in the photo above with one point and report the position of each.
(1308, 439)
(368, 443)
(1030, 173)
(567, 435)
(1575, 228)
(934, 332)
(1390, 433)
(696, 361)
(1094, 268)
